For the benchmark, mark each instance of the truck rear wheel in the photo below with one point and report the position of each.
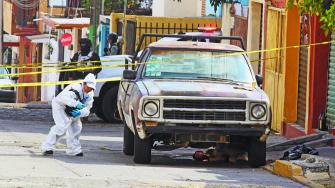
(257, 152)
(109, 105)
(128, 140)
(98, 109)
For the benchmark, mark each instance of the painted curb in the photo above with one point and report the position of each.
(287, 169)
(291, 171)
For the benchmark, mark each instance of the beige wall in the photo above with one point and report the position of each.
(170, 8)
(8, 17)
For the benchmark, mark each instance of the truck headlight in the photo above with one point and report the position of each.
(151, 108)
(258, 111)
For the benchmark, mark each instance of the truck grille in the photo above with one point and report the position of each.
(219, 116)
(204, 104)
(202, 110)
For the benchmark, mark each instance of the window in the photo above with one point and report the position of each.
(64, 3)
(3, 71)
(57, 3)
(198, 64)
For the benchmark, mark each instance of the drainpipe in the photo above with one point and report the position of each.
(1, 31)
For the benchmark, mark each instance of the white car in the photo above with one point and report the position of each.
(105, 95)
(7, 94)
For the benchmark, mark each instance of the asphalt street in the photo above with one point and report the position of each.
(104, 164)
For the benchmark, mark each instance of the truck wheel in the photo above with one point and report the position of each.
(109, 106)
(128, 140)
(142, 150)
(257, 152)
(98, 110)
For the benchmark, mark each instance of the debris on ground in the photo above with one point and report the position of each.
(296, 152)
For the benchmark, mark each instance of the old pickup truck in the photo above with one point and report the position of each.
(192, 94)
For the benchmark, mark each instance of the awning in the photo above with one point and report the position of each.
(44, 38)
(66, 23)
(10, 40)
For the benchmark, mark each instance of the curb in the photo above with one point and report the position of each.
(296, 141)
(291, 171)
(23, 105)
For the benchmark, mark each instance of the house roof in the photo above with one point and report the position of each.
(195, 45)
(66, 23)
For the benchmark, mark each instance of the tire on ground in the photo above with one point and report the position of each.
(128, 140)
(109, 105)
(98, 109)
(257, 152)
(142, 150)
(142, 147)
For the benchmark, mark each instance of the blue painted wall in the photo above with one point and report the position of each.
(104, 31)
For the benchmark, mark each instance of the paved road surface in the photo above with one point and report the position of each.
(104, 165)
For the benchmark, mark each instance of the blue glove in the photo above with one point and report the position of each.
(75, 113)
(80, 106)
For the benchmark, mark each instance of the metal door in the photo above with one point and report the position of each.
(274, 66)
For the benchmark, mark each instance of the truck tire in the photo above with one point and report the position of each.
(109, 105)
(128, 140)
(257, 152)
(142, 150)
(98, 110)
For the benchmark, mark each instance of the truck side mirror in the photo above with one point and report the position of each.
(129, 74)
(127, 61)
(259, 79)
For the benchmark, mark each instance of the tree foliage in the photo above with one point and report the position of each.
(113, 5)
(217, 3)
(325, 9)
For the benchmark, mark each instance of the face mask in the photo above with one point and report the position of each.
(84, 48)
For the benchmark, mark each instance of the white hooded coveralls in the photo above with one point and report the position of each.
(65, 124)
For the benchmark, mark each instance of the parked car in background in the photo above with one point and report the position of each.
(7, 94)
(196, 94)
(105, 95)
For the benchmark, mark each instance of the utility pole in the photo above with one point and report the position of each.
(1, 31)
(124, 27)
(103, 7)
(95, 12)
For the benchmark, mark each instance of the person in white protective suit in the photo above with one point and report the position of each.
(74, 102)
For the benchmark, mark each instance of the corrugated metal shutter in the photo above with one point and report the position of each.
(302, 84)
(331, 85)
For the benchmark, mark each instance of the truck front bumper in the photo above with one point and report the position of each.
(217, 130)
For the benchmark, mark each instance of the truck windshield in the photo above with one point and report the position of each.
(198, 65)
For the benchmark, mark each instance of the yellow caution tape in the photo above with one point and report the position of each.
(56, 64)
(56, 83)
(152, 62)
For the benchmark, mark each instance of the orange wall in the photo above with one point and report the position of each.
(292, 65)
